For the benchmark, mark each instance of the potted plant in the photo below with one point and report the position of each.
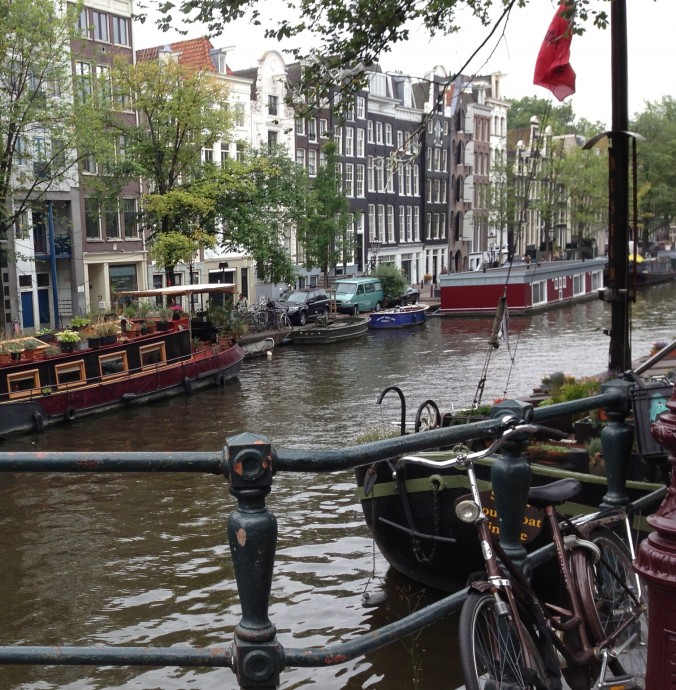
(164, 322)
(31, 349)
(46, 335)
(80, 322)
(176, 311)
(106, 332)
(427, 279)
(4, 355)
(15, 349)
(51, 351)
(68, 339)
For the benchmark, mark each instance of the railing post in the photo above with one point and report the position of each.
(656, 563)
(617, 438)
(252, 533)
(511, 478)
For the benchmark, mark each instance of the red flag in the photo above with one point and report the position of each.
(552, 69)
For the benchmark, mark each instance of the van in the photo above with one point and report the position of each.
(358, 294)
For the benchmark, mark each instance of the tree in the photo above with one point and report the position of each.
(322, 231)
(258, 202)
(560, 118)
(657, 166)
(40, 124)
(392, 279)
(181, 111)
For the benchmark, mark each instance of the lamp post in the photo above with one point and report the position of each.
(375, 245)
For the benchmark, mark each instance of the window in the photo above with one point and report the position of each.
(24, 384)
(41, 167)
(372, 222)
(121, 31)
(359, 189)
(113, 365)
(312, 130)
(241, 150)
(348, 181)
(369, 131)
(272, 141)
(388, 134)
(300, 126)
(300, 157)
(130, 215)
(380, 174)
(379, 132)
(89, 165)
(83, 80)
(209, 153)
(349, 114)
(83, 23)
(390, 224)
(539, 292)
(225, 151)
(239, 114)
(578, 285)
(409, 181)
(361, 108)
(444, 160)
(402, 223)
(596, 280)
(416, 180)
(361, 151)
(22, 151)
(153, 355)
(323, 128)
(112, 224)
(312, 162)
(273, 103)
(400, 178)
(416, 223)
(381, 221)
(349, 141)
(443, 225)
(100, 24)
(92, 219)
(322, 158)
(371, 175)
(400, 139)
(70, 374)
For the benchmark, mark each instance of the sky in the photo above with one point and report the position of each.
(649, 37)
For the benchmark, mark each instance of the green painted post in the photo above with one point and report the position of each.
(252, 533)
(617, 439)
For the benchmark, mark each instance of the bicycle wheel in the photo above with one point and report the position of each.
(490, 650)
(284, 321)
(611, 599)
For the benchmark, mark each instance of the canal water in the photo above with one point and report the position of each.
(143, 559)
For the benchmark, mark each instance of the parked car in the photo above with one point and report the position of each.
(410, 296)
(354, 295)
(302, 305)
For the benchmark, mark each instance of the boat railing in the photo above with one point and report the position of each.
(250, 462)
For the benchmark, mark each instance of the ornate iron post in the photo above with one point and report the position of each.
(511, 478)
(617, 438)
(656, 563)
(252, 533)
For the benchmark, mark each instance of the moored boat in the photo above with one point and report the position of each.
(529, 287)
(399, 317)
(332, 332)
(133, 368)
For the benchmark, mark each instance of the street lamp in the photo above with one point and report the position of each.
(375, 248)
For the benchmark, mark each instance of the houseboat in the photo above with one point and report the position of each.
(529, 287)
(61, 384)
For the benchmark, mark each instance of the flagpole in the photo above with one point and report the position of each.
(618, 195)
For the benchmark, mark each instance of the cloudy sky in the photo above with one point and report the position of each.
(651, 26)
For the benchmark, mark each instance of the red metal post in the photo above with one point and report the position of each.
(656, 563)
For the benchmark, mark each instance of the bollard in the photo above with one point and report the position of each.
(617, 438)
(252, 533)
(656, 563)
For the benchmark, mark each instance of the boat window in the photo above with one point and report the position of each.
(23, 384)
(596, 280)
(540, 292)
(578, 285)
(152, 355)
(114, 364)
(70, 373)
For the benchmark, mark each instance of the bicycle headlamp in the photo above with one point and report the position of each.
(467, 511)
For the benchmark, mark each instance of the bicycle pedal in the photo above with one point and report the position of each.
(618, 683)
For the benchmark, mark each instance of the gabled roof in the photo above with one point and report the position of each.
(194, 53)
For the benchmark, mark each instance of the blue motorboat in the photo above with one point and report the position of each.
(399, 317)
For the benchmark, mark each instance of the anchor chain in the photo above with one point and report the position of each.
(418, 552)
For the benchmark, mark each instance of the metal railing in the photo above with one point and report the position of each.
(249, 461)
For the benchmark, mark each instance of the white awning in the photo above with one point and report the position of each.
(176, 290)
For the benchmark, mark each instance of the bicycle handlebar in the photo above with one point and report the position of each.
(463, 459)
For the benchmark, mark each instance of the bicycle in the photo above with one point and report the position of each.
(510, 637)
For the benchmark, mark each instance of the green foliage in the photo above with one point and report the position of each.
(322, 230)
(571, 388)
(169, 248)
(392, 279)
(36, 74)
(347, 33)
(376, 433)
(68, 336)
(258, 200)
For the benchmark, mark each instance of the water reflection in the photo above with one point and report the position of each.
(142, 559)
